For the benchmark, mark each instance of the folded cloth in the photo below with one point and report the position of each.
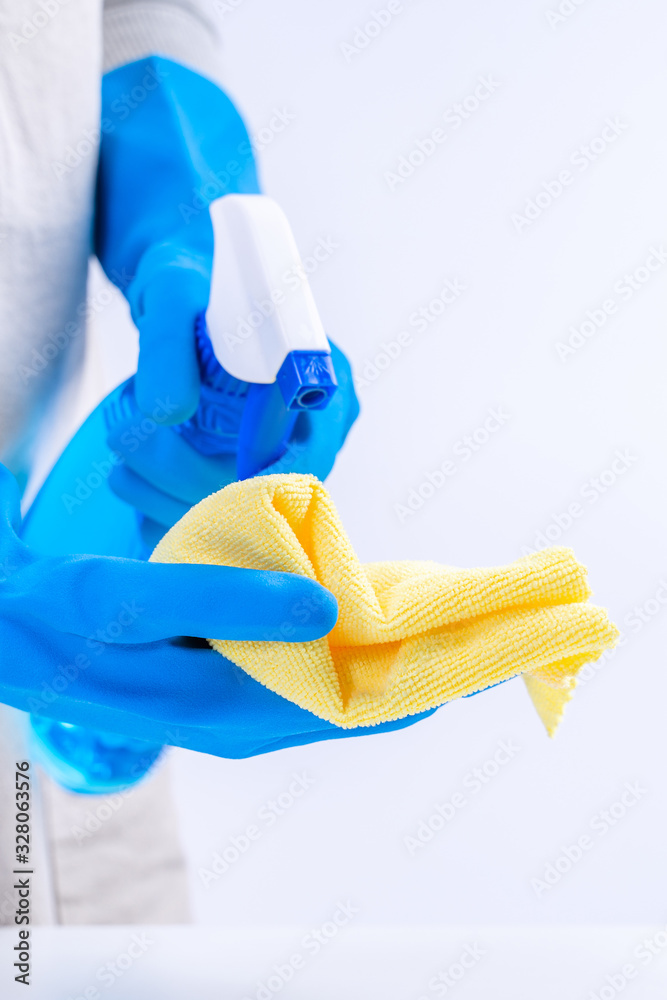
(410, 636)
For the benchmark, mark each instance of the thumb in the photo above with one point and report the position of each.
(128, 601)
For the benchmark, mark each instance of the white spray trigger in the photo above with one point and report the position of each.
(254, 318)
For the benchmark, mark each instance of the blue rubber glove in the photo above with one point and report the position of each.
(183, 145)
(171, 143)
(93, 641)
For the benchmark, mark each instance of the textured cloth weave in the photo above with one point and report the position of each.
(410, 636)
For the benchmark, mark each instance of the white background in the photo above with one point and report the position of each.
(495, 346)
(362, 963)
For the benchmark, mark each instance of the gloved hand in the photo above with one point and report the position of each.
(171, 143)
(94, 641)
(163, 159)
(163, 476)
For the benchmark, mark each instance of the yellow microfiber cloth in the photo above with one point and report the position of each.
(410, 635)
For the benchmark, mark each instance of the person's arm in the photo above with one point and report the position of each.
(182, 30)
(172, 142)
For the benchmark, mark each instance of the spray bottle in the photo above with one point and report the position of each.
(263, 357)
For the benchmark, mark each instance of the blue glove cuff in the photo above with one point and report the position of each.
(169, 147)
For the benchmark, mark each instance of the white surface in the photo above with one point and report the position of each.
(493, 347)
(224, 963)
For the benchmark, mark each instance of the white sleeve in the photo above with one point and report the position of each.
(182, 30)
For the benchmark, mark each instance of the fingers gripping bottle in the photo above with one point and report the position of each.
(263, 358)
